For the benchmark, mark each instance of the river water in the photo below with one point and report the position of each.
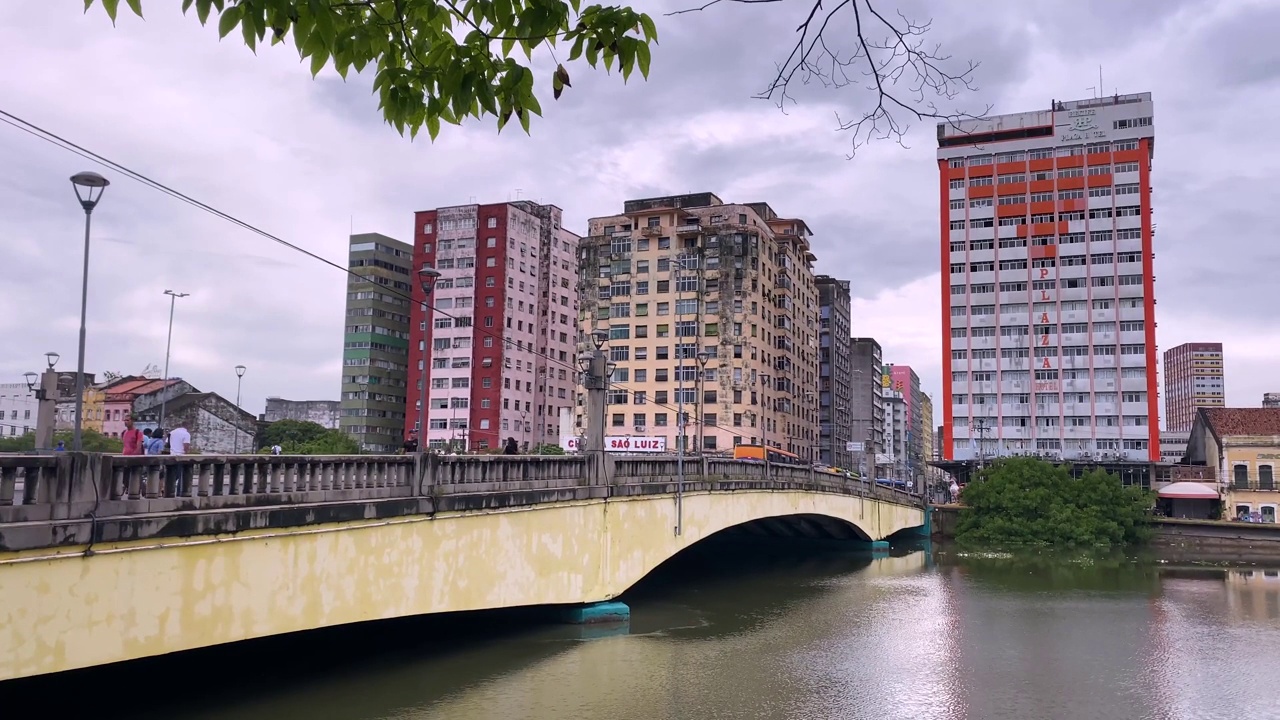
(738, 632)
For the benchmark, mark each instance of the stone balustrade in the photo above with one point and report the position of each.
(200, 494)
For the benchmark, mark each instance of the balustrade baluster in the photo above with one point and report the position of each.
(8, 484)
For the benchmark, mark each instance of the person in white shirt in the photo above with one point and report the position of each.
(179, 440)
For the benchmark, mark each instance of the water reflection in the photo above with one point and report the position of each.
(812, 632)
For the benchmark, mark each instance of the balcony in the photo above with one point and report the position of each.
(693, 229)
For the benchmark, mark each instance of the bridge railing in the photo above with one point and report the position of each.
(73, 485)
(69, 485)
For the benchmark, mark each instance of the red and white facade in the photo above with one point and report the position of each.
(1048, 301)
(499, 336)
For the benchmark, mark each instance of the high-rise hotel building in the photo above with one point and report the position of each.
(1192, 380)
(711, 309)
(500, 332)
(1047, 283)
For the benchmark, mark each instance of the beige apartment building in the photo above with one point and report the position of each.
(711, 310)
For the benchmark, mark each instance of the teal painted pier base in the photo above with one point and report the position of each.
(879, 544)
(601, 612)
(926, 529)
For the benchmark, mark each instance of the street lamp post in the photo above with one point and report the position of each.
(173, 299)
(235, 442)
(835, 411)
(764, 422)
(46, 400)
(88, 182)
(541, 436)
(427, 277)
(703, 358)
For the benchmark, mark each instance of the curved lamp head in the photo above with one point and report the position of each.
(240, 370)
(52, 358)
(598, 338)
(584, 361)
(30, 377)
(427, 277)
(704, 357)
(89, 187)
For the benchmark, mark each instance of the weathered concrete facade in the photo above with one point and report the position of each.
(321, 412)
(216, 425)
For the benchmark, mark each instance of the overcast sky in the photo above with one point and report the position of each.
(309, 160)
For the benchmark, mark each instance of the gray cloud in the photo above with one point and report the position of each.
(310, 160)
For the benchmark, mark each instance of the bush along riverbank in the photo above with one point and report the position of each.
(1029, 502)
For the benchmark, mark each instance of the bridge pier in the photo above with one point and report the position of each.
(601, 612)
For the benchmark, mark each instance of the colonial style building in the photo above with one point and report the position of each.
(1243, 445)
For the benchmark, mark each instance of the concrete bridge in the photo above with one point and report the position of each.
(108, 558)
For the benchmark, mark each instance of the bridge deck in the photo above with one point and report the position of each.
(73, 499)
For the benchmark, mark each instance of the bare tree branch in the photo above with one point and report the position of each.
(888, 57)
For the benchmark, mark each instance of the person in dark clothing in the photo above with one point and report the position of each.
(511, 448)
(411, 445)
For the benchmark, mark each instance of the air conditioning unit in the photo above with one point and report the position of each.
(639, 428)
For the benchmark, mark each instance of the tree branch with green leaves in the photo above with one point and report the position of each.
(438, 60)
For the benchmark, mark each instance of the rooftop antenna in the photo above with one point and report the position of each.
(1101, 87)
(519, 192)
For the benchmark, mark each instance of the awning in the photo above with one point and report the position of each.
(1189, 491)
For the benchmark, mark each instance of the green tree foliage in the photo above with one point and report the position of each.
(91, 440)
(546, 449)
(301, 437)
(439, 60)
(1026, 501)
(20, 443)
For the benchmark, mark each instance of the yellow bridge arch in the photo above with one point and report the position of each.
(61, 610)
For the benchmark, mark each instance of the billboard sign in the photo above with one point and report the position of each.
(621, 444)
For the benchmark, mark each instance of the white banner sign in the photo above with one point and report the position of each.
(622, 444)
(853, 447)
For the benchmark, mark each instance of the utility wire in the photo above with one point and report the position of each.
(58, 141)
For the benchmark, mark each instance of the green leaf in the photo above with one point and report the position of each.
(318, 60)
(433, 126)
(136, 7)
(247, 32)
(642, 59)
(524, 121)
(230, 17)
(650, 30)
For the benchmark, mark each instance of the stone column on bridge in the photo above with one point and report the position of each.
(595, 369)
(46, 409)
